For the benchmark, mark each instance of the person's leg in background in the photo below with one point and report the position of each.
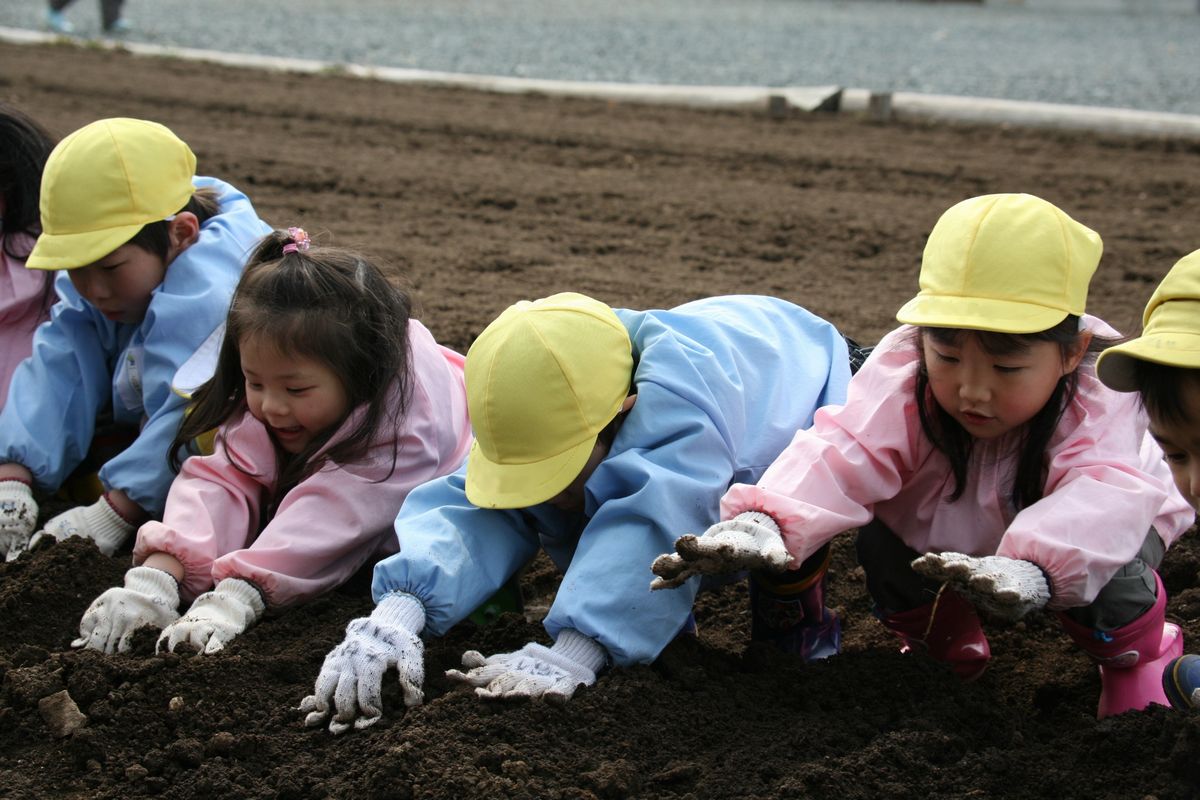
(110, 16)
(56, 20)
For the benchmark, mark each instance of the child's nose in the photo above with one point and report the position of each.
(974, 389)
(273, 405)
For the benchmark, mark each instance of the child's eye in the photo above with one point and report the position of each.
(1008, 370)
(945, 359)
(299, 391)
(254, 387)
(1175, 458)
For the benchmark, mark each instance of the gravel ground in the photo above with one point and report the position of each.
(1140, 54)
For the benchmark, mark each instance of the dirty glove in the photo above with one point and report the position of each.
(534, 670)
(18, 517)
(149, 597)
(99, 522)
(1005, 588)
(215, 617)
(351, 679)
(751, 540)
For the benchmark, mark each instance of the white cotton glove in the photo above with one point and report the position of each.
(149, 597)
(751, 540)
(99, 522)
(1005, 588)
(534, 671)
(351, 679)
(215, 617)
(18, 517)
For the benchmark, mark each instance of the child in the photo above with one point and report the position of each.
(332, 405)
(25, 295)
(982, 439)
(148, 256)
(1163, 367)
(598, 432)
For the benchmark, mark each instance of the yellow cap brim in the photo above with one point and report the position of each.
(976, 313)
(72, 250)
(494, 485)
(1117, 365)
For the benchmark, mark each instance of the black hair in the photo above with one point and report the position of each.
(155, 237)
(327, 304)
(24, 148)
(953, 441)
(1161, 388)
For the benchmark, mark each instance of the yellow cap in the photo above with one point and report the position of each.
(103, 183)
(542, 381)
(1012, 263)
(1170, 329)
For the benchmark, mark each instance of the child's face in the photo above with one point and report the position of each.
(296, 398)
(1180, 442)
(120, 284)
(991, 395)
(571, 498)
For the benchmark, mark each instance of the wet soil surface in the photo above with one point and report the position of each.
(480, 200)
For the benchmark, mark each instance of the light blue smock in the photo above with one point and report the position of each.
(722, 386)
(82, 362)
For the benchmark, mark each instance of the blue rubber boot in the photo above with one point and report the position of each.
(1181, 682)
(789, 612)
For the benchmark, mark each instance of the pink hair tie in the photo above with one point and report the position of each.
(299, 241)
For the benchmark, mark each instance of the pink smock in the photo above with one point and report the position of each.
(332, 522)
(1106, 482)
(24, 304)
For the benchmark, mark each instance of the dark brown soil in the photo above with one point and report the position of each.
(480, 200)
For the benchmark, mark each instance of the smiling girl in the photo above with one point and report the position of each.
(332, 404)
(983, 463)
(147, 254)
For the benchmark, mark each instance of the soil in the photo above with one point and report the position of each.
(476, 201)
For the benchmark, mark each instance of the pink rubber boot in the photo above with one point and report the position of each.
(948, 629)
(1131, 657)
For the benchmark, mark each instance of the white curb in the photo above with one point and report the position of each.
(881, 106)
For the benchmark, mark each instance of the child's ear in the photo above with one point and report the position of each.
(182, 233)
(1078, 350)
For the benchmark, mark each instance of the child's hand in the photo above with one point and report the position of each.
(215, 617)
(1005, 588)
(18, 516)
(534, 670)
(750, 540)
(149, 597)
(99, 522)
(351, 679)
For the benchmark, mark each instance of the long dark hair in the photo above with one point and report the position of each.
(327, 304)
(24, 148)
(952, 440)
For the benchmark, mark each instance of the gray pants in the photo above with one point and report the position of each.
(894, 586)
(110, 10)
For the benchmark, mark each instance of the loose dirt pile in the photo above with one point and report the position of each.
(478, 201)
